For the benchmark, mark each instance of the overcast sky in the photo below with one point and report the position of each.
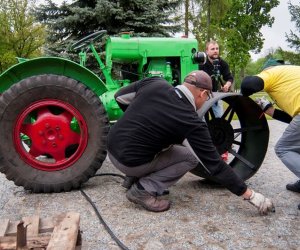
(275, 36)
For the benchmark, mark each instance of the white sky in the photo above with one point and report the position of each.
(274, 36)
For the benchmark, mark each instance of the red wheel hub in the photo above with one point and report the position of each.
(44, 138)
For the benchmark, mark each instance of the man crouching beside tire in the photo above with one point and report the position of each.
(160, 138)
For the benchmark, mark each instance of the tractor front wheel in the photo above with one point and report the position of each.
(53, 134)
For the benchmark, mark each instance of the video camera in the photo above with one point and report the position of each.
(216, 69)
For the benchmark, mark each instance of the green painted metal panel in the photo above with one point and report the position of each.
(135, 48)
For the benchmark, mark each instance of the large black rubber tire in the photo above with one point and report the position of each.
(53, 87)
(245, 139)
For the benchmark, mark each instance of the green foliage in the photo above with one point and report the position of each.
(294, 38)
(290, 57)
(235, 24)
(206, 17)
(20, 35)
(254, 68)
(242, 24)
(69, 22)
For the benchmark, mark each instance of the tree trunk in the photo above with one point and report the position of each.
(186, 18)
(208, 19)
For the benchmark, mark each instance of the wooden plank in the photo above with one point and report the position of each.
(64, 227)
(40, 242)
(21, 236)
(4, 226)
(64, 235)
(32, 223)
(45, 224)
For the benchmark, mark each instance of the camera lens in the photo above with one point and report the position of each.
(199, 57)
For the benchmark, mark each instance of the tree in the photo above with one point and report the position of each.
(293, 38)
(242, 24)
(20, 34)
(206, 17)
(72, 21)
(288, 56)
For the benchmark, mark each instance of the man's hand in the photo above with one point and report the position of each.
(264, 103)
(226, 87)
(263, 204)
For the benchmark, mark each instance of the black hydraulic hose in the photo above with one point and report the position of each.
(107, 228)
(110, 174)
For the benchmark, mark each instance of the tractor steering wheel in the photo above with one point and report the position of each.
(88, 40)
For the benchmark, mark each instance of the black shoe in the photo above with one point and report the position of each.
(299, 206)
(295, 187)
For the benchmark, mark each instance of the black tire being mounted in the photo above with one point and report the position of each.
(68, 173)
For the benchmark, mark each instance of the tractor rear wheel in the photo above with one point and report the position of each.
(242, 131)
(53, 135)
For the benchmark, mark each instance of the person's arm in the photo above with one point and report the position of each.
(281, 116)
(227, 76)
(251, 85)
(200, 143)
(125, 95)
(277, 114)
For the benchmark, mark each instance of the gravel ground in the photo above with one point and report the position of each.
(201, 216)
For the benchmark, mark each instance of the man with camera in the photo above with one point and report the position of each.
(222, 79)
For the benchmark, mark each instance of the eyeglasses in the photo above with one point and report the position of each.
(207, 93)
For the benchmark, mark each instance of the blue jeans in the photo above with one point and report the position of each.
(288, 146)
(218, 109)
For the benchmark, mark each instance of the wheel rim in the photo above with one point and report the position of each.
(50, 135)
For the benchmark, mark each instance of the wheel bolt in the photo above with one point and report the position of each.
(57, 128)
(54, 145)
(60, 137)
(47, 125)
(41, 132)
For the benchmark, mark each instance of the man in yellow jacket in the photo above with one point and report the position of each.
(282, 83)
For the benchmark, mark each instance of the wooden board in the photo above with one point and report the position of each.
(59, 232)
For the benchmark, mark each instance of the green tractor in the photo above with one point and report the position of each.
(55, 114)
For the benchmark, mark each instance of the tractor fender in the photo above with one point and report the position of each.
(51, 65)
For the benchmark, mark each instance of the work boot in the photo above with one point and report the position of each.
(128, 181)
(145, 199)
(295, 187)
